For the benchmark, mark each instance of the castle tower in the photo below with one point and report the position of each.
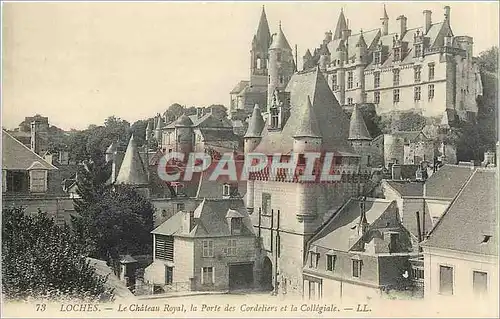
(260, 52)
(385, 23)
(307, 137)
(184, 134)
(361, 51)
(360, 137)
(158, 130)
(132, 171)
(254, 131)
(253, 137)
(281, 65)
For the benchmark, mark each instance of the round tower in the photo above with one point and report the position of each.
(359, 137)
(184, 134)
(253, 135)
(281, 65)
(361, 51)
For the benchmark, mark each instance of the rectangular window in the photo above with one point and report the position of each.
(236, 223)
(334, 82)
(376, 97)
(376, 57)
(431, 72)
(480, 282)
(266, 204)
(282, 79)
(349, 100)
(164, 247)
(376, 79)
(446, 280)
(313, 260)
(169, 275)
(179, 207)
(330, 262)
(208, 248)
(207, 276)
(418, 50)
(226, 190)
(231, 247)
(417, 92)
(356, 268)
(349, 80)
(418, 73)
(395, 77)
(312, 290)
(395, 96)
(397, 54)
(431, 91)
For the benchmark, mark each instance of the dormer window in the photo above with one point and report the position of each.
(418, 50)
(397, 54)
(274, 117)
(236, 225)
(226, 190)
(377, 57)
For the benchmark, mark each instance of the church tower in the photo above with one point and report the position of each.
(360, 61)
(260, 52)
(281, 66)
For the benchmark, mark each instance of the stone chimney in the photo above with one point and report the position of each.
(188, 223)
(447, 14)
(402, 25)
(427, 20)
(328, 37)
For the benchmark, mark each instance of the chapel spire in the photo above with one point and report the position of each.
(341, 26)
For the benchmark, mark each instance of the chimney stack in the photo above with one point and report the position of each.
(427, 20)
(402, 22)
(363, 223)
(447, 14)
(419, 229)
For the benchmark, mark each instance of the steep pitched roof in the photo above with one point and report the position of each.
(341, 232)
(132, 170)
(256, 123)
(357, 126)
(308, 123)
(239, 87)
(470, 218)
(16, 156)
(341, 26)
(183, 120)
(447, 181)
(280, 41)
(361, 40)
(263, 35)
(332, 121)
(308, 54)
(159, 123)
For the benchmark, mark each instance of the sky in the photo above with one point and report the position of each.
(80, 62)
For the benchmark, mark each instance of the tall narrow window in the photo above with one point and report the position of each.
(397, 54)
(207, 276)
(395, 77)
(376, 57)
(480, 282)
(417, 92)
(278, 56)
(349, 100)
(208, 248)
(259, 63)
(376, 97)
(356, 268)
(431, 71)
(282, 79)
(231, 247)
(334, 81)
(446, 280)
(418, 51)
(330, 262)
(313, 260)
(349, 80)
(418, 73)
(395, 96)
(431, 91)
(376, 79)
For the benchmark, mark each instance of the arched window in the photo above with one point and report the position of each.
(259, 63)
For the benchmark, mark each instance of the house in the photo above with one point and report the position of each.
(210, 248)
(362, 251)
(461, 252)
(31, 182)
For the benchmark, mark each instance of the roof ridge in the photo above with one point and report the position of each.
(19, 142)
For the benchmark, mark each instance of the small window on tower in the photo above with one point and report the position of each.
(278, 56)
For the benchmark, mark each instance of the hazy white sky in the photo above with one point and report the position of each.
(78, 63)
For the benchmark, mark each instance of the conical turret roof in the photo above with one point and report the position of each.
(183, 120)
(132, 170)
(308, 54)
(386, 17)
(361, 41)
(341, 26)
(256, 124)
(280, 41)
(308, 126)
(357, 126)
(159, 123)
(148, 126)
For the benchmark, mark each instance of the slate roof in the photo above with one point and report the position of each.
(471, 216)
(256, 123)
(308, 123)
(263, 35)
(343, 226)
(132, 170)
(183, 120)
(332, 121)
(210, 135)
(341, 25)
(210, 219)
(16, 156)
(357, 126)
(280, 41)
(407, 188)
(239, 87)
(213, 189)
(447, 181)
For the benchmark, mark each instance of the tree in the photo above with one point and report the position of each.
(173, 112)
(218, 111)
(373, 121)
(42, 260)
